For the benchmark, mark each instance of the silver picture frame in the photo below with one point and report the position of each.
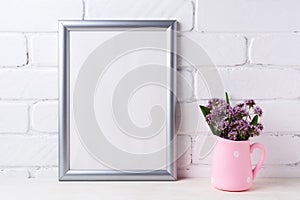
(66, 173)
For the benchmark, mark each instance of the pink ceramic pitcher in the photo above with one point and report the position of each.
(231, 164)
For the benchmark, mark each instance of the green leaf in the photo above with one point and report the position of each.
(227, 98)
(212, 129)
(254, 120)
(204, 110)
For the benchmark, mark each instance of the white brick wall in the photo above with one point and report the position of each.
(184, 151)
(36, 15)
(14, 117)
(43, 49)
(185, 85)
(44, 116)
(248, 16)
(28, 83)
(252, 81)
(28, 150)
(253, 44)
(276, 49)
(273, 117)
(217, 49)
(12, 50)
(182, 10)
(14, 173)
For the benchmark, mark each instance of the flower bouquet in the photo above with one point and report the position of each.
(231, 161)
(237, 122)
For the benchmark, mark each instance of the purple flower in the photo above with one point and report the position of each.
(260, 126)
(233, 135)
(240, 110)
(250, 102)
(240, 105)
(258, 111)
(213, 103)
(233, 123)
(208, 118)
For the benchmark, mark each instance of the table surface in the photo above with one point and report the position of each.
(187, 189)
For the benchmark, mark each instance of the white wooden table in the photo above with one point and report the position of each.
(187, 189)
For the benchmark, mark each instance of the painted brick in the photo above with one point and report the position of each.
(14, 173)
(276, 50)
(185, 85)
(190, 120)
(248, 16)
(16, 150)
(288, 144)
(183, 151)
(45, 116)
(28, 84)
(280, 116)
(205, 49)
(34, 15)
(46, 173)
(12, 50)
(279, 171)
(43, 50)
(203, 87)
(143, 9)
(253, 82)
(13, 118)
(285, 146)
(202, 148)
(195, 171)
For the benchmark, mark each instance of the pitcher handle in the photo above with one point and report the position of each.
(262, 157)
